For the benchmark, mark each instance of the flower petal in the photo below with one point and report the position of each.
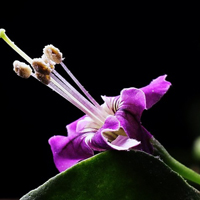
(67, 151)
(155, 90)
(100, 143)
(86, 124)
(71, 128)
(111, 104)
(124, 143)
(134, 129)
(132, 104)
(133, 100)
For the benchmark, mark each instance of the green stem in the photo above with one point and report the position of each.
(11, 44)
(174, 164)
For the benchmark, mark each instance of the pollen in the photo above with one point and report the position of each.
(40, 66)
(23, 70)
(45, 79)
(47, 61)
(52, 53)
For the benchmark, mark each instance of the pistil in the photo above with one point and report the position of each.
(11, 44)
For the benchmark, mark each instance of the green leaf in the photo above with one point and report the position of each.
(116, 175)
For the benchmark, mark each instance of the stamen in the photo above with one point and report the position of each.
(76, 102)
(23, 70)
(79, 84)
(50, 53)
(47, 61)
(103, 112)
(43, 72)
(56, 76)
(53, 53)
(40, 66)
(44, 78)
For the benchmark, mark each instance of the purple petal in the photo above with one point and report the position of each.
(132, 127)
(155, 90)
(133, 101)
(67, 151)
(100, 143)
(124, 143)
(130, 111)
(71, 128)
(85, 125)
(132, 104)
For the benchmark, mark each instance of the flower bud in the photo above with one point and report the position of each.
(52, 53)
(45, 79)
(40, 66)
(22, 69)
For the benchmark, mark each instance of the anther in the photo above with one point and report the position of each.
(52, 53)
(40, 66)
(47, 61)
(45, 79)
(23, 70)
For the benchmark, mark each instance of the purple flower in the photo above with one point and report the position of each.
(115, 125)
(119, 128)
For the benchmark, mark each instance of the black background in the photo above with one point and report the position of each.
(108, 47)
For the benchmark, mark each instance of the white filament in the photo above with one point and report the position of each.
(103, 112)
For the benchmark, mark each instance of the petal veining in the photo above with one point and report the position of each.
(111, 104)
